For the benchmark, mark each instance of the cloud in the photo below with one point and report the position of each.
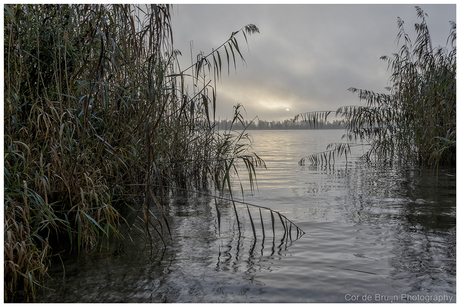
(306, 56)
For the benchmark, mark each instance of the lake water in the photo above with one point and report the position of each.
(371, 234)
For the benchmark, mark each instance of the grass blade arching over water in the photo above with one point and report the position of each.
(97, 121)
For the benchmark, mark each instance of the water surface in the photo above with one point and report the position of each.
(376, 234)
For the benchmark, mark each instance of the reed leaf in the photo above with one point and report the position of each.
(412, 123)
(98, 123)
(252, 223)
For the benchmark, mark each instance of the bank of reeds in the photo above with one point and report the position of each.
(416, 121)
(96, 117)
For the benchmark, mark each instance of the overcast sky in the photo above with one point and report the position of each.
(306, 56)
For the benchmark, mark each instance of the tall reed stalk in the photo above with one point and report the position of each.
(416, 121)
(96, 120)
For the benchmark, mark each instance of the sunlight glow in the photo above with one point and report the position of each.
(273, 104)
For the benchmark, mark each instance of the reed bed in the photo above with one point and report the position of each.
(416, 121)
(96, 117)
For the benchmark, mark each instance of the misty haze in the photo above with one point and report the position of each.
(209, 153)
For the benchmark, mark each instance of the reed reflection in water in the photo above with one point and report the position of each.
(378, 231)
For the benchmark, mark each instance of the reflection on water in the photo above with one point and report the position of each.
(419, 208)
(372, 234)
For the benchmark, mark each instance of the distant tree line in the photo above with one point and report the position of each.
(287, 124)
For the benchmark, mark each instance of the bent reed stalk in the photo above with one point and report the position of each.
(416, 122)
(96, 115)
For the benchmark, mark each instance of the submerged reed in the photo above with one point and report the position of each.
(96, 119)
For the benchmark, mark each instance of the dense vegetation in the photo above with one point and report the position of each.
(97, 120)
(416, 121)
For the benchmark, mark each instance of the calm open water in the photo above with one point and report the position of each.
(371, 234)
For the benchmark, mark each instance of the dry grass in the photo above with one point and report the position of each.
(416, 121)
(96, 117)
